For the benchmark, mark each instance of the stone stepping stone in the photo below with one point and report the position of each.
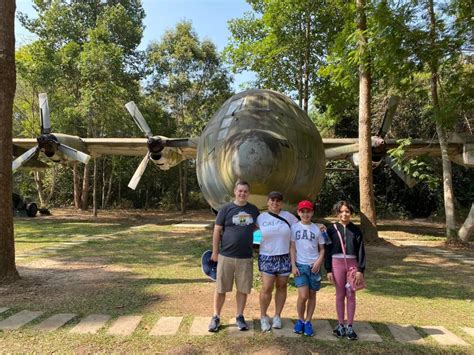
(19, 319)
(286, 330)
(166, 326)
(443, 336)
(124, 325)
(233, 331)
(405, 334)
(199, 326)
(365, 332)
(468, 330)
(3, 309)
(91, 324)
(54, 322)
(323, 330)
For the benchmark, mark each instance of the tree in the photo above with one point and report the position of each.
(367, 199)
(8, 270)
(86, 57)
(437, 41)
(189, 80)
(293, 33)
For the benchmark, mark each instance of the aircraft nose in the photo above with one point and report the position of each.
(256, 155)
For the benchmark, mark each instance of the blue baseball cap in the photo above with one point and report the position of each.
(209, 267)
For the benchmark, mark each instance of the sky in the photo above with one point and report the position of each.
(209, 19)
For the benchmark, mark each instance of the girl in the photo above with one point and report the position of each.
(336, 268)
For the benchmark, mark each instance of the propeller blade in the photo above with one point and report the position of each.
(139, 172)
(74, 154)
(407, 179)
(138, 118)
(388, 116)
(23, 159)
(44, 113)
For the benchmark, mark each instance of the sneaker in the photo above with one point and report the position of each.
(276, 322)
(308, 329)
(339, 331)
(299, 327)
(350, 334)
(214, 324)
(241, 324)
(265, 324)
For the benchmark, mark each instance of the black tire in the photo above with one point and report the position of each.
(31, 209)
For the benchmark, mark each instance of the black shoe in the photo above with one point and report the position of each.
(350, 334)
(241, 324)
(214, 324)
(339, 331)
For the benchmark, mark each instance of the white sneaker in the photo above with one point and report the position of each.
(265, 324)
(276, 323)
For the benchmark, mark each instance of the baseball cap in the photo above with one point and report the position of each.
(275, 194)
(305, 204)
(209, 267)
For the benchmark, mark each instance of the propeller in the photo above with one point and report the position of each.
(155, 144)
(48, 142)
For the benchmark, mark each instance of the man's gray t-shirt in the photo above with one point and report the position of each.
(239, 224)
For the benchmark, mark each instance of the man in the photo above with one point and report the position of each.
(233, 233)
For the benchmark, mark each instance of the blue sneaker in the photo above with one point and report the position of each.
(308, 329)
(299, 327)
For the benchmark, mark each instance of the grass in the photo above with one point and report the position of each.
(153, 269)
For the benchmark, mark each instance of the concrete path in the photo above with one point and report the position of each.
(19, 319)
(91, 324)
(54, 322)
(323, 330)
(124, 325)
(286, 330)
(193, 225)
(169, 326)
(405, 334)
(468, 330)
(443, 336)
(365, 332)
(233, 331)
(199, 326)
(166, 326)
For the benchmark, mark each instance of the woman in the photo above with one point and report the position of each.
(336, 267)
(274, 259)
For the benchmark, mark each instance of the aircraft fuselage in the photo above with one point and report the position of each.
(262, 137)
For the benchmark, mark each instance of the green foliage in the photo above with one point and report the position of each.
(418, 168)
(293, 34)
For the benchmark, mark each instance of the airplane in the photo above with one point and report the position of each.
(260, 136)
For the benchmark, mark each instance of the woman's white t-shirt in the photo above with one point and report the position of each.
(275, 233)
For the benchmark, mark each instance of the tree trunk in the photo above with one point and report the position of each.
(367, 199)
(104, 184)
(39, 187)
(94, 190)
(183, 185)
(53, 185)
(443, 143)
(85, 189)
(109, 188)
(76, 187)
(468, 226)
(307, 62)
(8, 272)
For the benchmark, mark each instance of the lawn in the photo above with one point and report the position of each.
(140, 264)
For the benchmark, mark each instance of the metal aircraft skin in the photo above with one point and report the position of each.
(260, 136)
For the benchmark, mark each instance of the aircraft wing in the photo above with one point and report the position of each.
(460, 148)
(96, 147)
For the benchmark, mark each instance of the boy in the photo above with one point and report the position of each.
(307, 255)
